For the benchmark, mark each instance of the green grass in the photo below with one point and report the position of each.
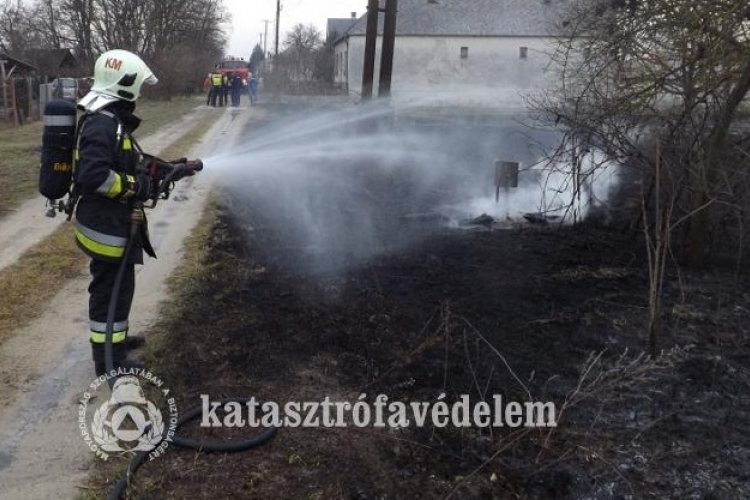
(19, 164)
(156, 114)
(25, 285)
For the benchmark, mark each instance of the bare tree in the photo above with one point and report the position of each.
(15, 30)
(633, 74)
(298, 61)
(47, 22)
(78, 16)
(673, 65)
(181, 39)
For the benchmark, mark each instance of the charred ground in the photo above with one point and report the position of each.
(418, 309)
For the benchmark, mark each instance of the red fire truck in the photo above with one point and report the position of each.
(238, 65)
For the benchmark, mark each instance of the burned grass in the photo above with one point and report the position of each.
(547, 315)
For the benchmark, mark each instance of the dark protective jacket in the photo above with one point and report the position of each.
(105, 156)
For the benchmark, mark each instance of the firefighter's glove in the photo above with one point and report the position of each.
(139, 187)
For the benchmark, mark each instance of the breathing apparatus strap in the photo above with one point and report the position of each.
(75, 189)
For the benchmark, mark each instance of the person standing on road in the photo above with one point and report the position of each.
(216, 88)
(225, 89)
(236, 84)
(253, 89)
(207, 88)
(106, 174)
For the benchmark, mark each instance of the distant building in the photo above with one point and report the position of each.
(473, 51)
(15, 67)
(17, 91)
(338, 27)
(336, 30)
(55, 63)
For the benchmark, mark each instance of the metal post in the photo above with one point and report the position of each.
(371, 38)
(506, 176)
(389, 42)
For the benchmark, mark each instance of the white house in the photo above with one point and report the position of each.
(465, 52)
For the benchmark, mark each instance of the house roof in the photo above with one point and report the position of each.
(339, 26)
(472, 18)
(50, 61)
(14, 61)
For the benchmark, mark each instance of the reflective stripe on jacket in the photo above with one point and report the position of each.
(99, 244)
(106, 157)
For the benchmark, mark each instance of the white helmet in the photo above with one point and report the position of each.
(118, 75)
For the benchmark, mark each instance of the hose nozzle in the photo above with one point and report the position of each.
(195, 165)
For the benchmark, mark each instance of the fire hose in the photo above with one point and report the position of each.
(166, 174)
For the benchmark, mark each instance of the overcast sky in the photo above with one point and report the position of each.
(248, 17)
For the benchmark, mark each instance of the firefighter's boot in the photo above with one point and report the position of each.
(133, 342)
(119, 358)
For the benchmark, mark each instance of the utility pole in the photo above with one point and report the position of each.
(389, 42)
(278, 17)
(371, 38)
(265, 38)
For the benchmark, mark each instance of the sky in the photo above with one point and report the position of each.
(248, 19)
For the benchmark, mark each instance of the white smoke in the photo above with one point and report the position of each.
(339, 183)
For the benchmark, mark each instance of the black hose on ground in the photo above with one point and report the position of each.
(192, 413)
(205, 446)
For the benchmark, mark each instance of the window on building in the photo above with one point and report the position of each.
(523, 52)
(464, 52)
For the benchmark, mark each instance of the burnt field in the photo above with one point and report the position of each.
(344, 276)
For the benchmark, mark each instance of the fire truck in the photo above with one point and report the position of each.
(238, 65)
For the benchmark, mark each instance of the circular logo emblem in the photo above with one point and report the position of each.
(137, 415)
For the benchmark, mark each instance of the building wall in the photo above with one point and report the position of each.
(492, 71)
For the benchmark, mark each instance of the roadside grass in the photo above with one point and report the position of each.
(29, 283)
(19, 164)
(38, 275)
(156, 114)
(20, 147)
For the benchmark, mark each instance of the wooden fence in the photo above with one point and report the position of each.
(20, 100)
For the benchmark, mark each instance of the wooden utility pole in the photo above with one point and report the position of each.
(278, 17)
(265, 38)
(371, 38)
(389, 42)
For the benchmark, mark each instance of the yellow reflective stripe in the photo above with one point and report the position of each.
(126, 144)
(98, 248)
(112, 186)
(100, 338)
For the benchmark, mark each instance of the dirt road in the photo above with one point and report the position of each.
(45, 367)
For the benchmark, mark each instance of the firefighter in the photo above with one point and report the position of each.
(217, 81)
(207, 88)
(236, 86)
(109, 185)
(225, 89)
